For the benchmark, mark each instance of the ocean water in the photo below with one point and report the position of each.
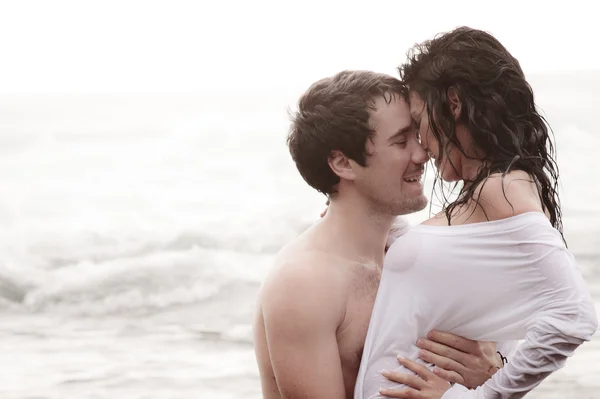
(135, 232)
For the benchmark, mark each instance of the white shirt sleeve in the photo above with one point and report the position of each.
(563, 317)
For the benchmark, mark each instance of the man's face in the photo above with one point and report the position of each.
(392, 178)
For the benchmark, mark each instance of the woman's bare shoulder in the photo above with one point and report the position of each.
(503, 196)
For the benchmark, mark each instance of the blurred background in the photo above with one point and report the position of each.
(145, 185)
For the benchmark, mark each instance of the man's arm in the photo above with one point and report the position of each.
(302, 308)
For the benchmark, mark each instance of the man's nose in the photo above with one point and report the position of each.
(419, 154)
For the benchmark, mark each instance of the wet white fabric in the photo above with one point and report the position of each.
(400, 226)
(505, 280)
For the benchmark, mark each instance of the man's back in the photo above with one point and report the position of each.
(312, 319)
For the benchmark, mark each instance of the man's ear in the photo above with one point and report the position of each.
(341, 165)
(454, 102)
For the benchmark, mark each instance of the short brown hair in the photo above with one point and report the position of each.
(333, 115)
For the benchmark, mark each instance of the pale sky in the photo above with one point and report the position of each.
(63, 46)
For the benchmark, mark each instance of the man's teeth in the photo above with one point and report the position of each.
(412, 179)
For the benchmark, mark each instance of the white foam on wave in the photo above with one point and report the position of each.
(142, 284)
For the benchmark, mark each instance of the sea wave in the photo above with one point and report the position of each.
(135, 285)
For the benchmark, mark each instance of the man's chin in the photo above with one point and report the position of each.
(414, 205)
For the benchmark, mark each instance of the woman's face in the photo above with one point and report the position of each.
(448, 164)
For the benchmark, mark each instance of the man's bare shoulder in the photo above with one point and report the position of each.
(308, 257)
(311, 269)
(305, 281)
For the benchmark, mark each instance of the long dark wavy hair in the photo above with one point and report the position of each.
(497, 108)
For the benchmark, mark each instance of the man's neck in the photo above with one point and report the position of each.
(353, 227)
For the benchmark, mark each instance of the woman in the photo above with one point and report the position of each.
(493, 265)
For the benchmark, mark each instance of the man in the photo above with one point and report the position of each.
(352, 139)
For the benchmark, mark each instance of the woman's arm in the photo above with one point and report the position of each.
(566, 318)
(562, 318)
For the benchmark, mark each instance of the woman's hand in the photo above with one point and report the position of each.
(424, 385)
